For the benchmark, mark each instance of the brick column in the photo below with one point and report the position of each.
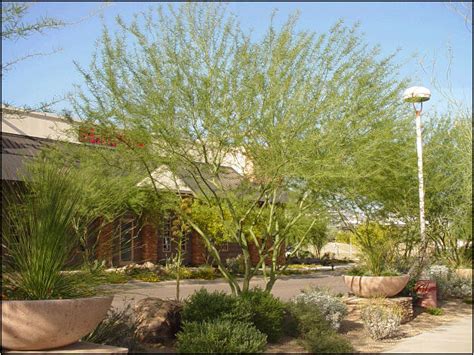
(149, 243)
(198, 250)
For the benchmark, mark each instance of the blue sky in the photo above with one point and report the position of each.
(427, 29)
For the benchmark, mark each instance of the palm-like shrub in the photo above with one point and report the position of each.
(37, 235)
(376, 244)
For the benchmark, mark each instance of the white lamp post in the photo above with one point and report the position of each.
(417, 95)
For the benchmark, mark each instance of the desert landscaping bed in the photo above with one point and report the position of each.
(353, 329)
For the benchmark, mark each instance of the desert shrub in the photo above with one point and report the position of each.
(440, 274)
(117, 329)
(290, 322)
(459, 287)
(449, 284)
(467, 300)
(381, 320)
(331, 307)
(321, 342)
(206, 272)
(220, 336)
(435, 311)
(307, 318)
(203, 306)
(315, 332)
(147, 276)
(267, 312)
(236, 265)
(114, 277)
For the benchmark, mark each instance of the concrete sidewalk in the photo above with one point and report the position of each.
(455, 337)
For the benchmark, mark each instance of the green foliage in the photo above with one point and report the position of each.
(267, 312)
(380, 319)
(115, 277)
(315, 332)
(206, 272)
(448, 169)
(117, 329)
(147, 276)
(220, 336)
(318, 115)
(236, 265)
(376, 245)
(204, 306)
(323, 342)
(37, 234)
(435, 311)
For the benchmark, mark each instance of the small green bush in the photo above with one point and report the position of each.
(331, 307)
(316, 333)
(205, 272)
(381, 320)
(147, 276)
(290, 322)
(236, 265)
(321, 342)
(220, 336)
(307, 318)
(267, 312)
(203, 306)
(115, 277)
(467, 300)
(435, 311)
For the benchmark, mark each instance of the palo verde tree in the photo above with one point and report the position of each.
(301, 111)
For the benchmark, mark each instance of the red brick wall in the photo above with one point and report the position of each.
(198, 250)
(149, 242)
(254, 257)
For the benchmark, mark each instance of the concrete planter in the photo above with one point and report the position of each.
(376, 286)
(49, 324)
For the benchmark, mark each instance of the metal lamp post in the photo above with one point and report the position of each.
(417, 95)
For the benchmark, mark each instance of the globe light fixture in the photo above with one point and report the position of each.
(417, 95)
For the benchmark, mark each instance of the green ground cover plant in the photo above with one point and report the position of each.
(435, 311)
(220, 336)
(314, 331)
(267, 312)
(329, 306)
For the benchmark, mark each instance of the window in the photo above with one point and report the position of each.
(166, 233)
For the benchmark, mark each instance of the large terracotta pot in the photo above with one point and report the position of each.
(376, 286)
(49, 324)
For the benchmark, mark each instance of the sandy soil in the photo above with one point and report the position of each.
(353, 329)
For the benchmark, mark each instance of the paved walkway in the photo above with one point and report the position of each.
(455, 337)
(285, 287)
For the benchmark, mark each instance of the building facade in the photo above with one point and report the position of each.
(129, 239)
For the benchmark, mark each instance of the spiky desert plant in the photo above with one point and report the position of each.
(37, 237)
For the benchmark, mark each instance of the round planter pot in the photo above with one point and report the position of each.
(376, 286)
(49, 324)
